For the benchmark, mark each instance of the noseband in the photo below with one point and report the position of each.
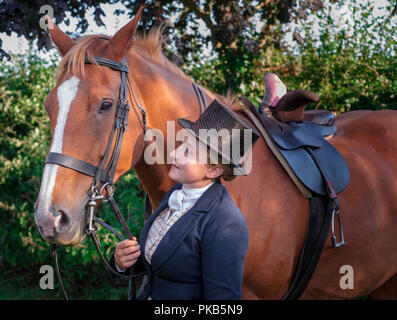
(102, 174)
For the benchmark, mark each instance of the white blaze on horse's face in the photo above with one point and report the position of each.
(44, 218)
(66, 93)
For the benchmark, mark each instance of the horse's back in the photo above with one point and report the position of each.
(362, 117)
(368, 126)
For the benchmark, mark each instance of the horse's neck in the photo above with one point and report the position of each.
(154, 179)
(165, 96)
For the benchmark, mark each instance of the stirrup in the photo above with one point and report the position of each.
(342, 242)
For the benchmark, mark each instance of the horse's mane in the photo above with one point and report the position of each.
(148, 45)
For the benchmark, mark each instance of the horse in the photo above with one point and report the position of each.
(81, 111)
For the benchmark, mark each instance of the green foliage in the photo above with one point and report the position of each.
(352, 68)
(349, 68)
(25, 140)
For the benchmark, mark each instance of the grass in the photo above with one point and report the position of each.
(26, 287)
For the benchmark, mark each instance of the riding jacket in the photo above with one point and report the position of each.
(202, 254)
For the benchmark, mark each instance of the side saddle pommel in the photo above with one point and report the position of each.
(291, 107)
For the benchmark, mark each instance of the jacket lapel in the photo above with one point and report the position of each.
(183, 225)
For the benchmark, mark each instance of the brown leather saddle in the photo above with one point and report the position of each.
(299, 137)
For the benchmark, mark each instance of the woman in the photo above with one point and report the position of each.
(196, 241)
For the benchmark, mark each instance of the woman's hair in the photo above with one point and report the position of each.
(228, 170)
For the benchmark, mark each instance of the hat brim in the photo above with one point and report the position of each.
(187, 124)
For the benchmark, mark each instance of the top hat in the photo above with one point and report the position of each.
(229, 143)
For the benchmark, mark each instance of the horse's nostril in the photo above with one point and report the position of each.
(62, 220)
(56, 224)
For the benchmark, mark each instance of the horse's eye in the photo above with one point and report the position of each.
(106, 106)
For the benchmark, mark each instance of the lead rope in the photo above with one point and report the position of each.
(131, 284)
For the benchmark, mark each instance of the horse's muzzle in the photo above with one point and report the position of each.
(55, 226)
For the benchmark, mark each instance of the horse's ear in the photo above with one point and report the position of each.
(124, 38)
(61, 40)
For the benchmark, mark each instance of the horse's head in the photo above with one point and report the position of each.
(82, 109)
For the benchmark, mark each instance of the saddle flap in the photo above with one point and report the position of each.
(308, 173)
(297, 135)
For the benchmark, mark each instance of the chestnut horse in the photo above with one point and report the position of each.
(275, 211)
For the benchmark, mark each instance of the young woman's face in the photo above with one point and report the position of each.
(190, 165)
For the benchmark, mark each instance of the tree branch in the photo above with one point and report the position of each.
(205, 16)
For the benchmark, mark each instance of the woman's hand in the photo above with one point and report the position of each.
(127, 253)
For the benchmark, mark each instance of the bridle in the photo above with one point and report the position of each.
(102, 174)
(106, 175)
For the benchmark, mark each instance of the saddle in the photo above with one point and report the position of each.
(299, 135)
(296, 138)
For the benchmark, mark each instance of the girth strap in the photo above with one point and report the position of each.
(319, 222)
